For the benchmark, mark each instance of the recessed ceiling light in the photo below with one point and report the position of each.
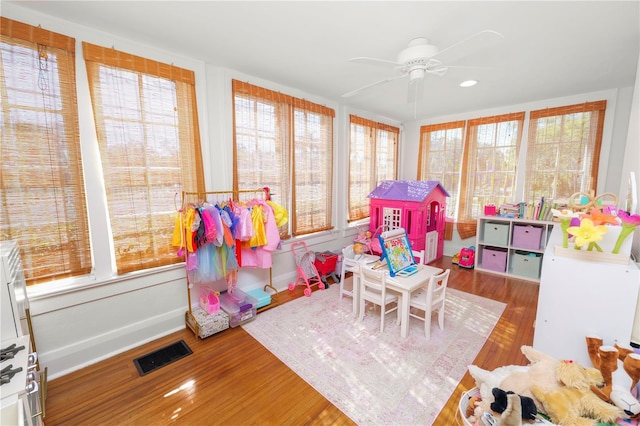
(468, 83)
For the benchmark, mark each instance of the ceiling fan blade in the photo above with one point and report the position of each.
(464, 40)
(373, 61)
(415, 92)
(355, 92)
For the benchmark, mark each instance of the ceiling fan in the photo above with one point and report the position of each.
(416, 61)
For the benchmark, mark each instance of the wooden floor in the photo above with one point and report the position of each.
(230, 379)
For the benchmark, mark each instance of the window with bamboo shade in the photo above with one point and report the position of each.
(285, 143)
(147, 128)
(440, 159)
(490, 163)
(373, 158)
(563, 150)
(43, 200)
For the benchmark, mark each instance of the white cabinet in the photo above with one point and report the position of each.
(579, 298)
(511, 247)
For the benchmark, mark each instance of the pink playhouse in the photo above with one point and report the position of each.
(415, 205)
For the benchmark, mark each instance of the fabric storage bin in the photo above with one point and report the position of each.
(526, 264)
(494, 259)
(262, 297)
(240, 306)
(526, 237)
(496, 234)
(210, 324)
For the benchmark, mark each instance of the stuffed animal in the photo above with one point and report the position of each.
(519, 379)
(574, 403)
(620, 368)
(512, 410)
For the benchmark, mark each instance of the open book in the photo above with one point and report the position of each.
(396, 249)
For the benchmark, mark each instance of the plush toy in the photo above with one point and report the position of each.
(512, 410)
(519, 379)
(620, 368)
(574, 403)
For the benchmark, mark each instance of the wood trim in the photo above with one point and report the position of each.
(22, 31)
(115, 58)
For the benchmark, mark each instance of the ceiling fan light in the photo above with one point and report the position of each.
(468, 83)
(417, 74)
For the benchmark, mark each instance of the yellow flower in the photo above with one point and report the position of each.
(587, 232)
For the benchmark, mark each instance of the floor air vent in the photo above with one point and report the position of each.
(156, 359)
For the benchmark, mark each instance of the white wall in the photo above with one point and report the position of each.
(79, 322)
(631, 161)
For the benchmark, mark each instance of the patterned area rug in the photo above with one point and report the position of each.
(377, 378)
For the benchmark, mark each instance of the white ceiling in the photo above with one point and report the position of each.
(550, 48)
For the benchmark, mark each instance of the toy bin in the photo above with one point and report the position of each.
(464, 403)
(262, 297)
(210, 324)
(527, 237)
(494, 259)
(496, 234)
(240, 307)
(209, 300)
(526, 264)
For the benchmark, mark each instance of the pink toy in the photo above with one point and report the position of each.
(307, 273)
(415, 205)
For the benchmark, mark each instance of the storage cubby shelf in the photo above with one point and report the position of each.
(511, 247)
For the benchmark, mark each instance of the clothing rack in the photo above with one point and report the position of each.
(221, 196)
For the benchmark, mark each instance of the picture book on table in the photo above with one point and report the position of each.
(396, 249)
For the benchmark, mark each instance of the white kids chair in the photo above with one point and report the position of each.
(430, 299)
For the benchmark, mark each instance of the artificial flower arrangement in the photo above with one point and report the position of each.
(586, 231)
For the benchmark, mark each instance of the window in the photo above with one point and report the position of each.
(440, 159)
(563, 150)
(43, 198)
(146, 122)
(373, 158)
(477, 170)
(286, 144)
(490, 161)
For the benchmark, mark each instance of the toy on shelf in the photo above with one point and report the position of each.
(582, 201)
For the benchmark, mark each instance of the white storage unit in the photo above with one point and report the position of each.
(578, 298)
(511, 247)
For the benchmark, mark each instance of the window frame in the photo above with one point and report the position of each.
(288, 133)
(152, 203)
(372, 134)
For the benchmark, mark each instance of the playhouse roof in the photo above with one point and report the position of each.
(406, 190)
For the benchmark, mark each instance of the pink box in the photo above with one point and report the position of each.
(494, 259)
(526, 237)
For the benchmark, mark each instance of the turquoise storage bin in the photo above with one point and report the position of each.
(261, 296)
(526, 264)
(496, 234)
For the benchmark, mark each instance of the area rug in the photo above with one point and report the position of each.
(377, 378)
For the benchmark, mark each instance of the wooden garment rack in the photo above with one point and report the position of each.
(223, 196)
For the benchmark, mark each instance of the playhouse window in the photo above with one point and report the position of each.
(391, 218)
